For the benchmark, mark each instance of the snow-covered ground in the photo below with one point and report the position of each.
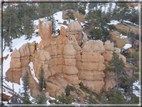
(113, 22)
(127, 46)
(58, 21)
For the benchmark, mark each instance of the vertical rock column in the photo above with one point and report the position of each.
(74, 30)
(109, 76)
(69, 69)
(91, 73)
(41, 59)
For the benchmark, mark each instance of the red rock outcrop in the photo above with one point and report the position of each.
(74, 29)
(64, 61)
(91, 73)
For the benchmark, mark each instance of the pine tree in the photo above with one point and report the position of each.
(52, 19)
(63, 99)
(116, 97)
(70, 14)
(67, 90)
(42, 83)
(15, 99)
(25, 94)
(40, 99)
(117, 66)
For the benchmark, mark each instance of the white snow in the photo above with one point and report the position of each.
(137, 93)
(37, 30)
(122, 36)
(58, 16)
(87, 8)
(36, 22)
(113, 22)
(127, 46)
(18, 42)
(32, 72)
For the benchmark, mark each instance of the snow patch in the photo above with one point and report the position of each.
(32, 72)
(127, 46)
(122, 36)
(113, 22)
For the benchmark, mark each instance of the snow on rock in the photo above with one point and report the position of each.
(127, 46)
(18, 42)
(113, 22)
(32, 72)
(58, 16)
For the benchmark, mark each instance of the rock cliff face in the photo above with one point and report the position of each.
(91, 72)
(63, 60)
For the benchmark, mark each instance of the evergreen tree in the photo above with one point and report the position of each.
(116, 97)
(67, 90)
(25, 94)
(15, 99)
(117, 66)
(42, 83)
(27, 27)
(52, 19)
(63, 99)
(40, 99)
(10, 27)
(70, 14)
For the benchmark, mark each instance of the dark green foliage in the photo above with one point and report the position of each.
(42, 83)
(117, 66)
(67, 90)
(90, 100)
(25, 94)
(96, 34)
(116, 97)
(40, 99)
(52, 19)
(63, 99)
(111, 27)
(70, 15)
(4, 99)
(81, 10)
(124, 33)
(15, 99)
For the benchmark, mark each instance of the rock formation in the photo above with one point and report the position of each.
(91, 72)
(110, 77)
(75, 29)
(63, 60)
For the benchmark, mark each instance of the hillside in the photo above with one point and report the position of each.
(72, 51)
